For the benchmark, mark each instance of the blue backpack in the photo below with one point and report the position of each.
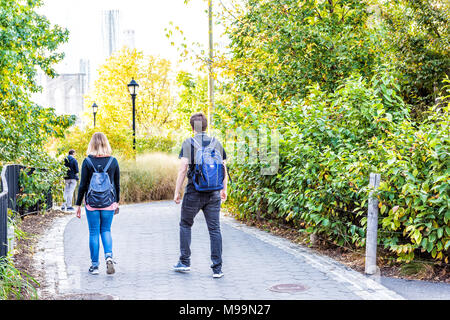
(208, 173)
(100, 193)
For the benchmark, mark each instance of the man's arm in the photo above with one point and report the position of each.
(223, 192)
(184, 164)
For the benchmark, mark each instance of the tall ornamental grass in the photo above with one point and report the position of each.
(150, 177)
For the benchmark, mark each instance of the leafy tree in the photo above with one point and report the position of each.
(193, 97)
(281, 47)
(418, 42)
(154, 102)
(27, 42)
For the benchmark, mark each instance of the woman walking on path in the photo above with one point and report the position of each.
(100, 185)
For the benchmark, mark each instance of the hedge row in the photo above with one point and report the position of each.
(331, 143)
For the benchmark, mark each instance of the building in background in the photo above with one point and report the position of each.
(65, 93)
(110, 31)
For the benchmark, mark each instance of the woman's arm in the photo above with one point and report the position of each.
(83, 183)
(117, 182)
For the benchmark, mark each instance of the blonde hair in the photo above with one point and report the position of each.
(99, 145)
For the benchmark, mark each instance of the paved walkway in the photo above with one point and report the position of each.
(145, 242)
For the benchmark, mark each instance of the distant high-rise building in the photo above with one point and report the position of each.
(110, 31)
(85, 68)
(128, 39)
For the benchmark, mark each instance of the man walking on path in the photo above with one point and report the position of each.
(70, 180)
(209, 198)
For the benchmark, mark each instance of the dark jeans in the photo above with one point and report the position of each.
(209, 203)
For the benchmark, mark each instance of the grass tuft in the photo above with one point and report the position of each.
(151, 177)
(15, 284)
(417, 269)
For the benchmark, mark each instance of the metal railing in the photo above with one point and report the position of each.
(4, 215)
(10, 183)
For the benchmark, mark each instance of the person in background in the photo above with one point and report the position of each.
(99, 172)
(71, 179)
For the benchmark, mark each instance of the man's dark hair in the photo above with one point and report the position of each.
(199, 120)
(71, 152)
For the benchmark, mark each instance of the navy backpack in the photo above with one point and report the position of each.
(100, 193)
(208, 173)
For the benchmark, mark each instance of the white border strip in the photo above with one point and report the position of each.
(49, 258)
(364, 287)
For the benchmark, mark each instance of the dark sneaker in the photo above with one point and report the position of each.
(181, 267)
(63, 208)
(93, 270)
(70, 209)
(110, 266)
(218, 274)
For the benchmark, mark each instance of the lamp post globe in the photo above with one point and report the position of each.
(133, 87)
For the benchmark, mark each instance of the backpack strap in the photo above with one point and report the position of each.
(90, 162)
(108, 164)
(195, 143)
(106, 167)
(213, 142)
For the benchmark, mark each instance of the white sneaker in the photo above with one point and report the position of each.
(110, 266)
(93, 270)
(217, 275)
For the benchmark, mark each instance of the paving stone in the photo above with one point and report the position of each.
(146, 246)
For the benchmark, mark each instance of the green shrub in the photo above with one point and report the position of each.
(78, 139)
(150, 177)
(330, 145)
(415, 192)
(155, 144)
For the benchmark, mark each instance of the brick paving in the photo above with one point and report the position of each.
(146, 245)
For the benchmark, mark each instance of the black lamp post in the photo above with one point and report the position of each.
(94, 111)
(133, 89)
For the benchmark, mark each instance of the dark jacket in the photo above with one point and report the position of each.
(71, 163)
(87, 171)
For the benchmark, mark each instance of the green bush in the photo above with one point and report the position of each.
(155, 144)
(331, 143)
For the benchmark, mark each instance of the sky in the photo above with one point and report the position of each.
(148, 18)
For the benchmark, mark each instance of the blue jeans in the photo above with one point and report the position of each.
(209, 203)
(99, 222)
